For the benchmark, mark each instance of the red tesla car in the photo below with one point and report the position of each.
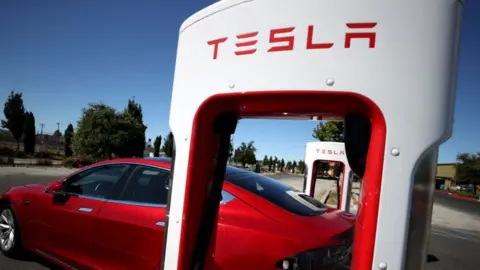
(111, 215)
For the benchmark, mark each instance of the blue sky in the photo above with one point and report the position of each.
(63, 55)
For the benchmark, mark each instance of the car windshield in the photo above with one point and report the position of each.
(275, 192)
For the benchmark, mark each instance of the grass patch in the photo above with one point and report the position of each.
(333, 198)
(468, 194)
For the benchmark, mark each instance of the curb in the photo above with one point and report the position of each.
(458, 196)
(14, 162)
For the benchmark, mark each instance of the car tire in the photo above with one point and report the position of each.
(8, 219)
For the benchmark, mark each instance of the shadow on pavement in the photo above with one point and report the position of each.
(463, 234)
(456, 249)
(34, 258)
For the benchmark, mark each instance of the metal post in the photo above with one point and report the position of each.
(41, 133)
(348, 190)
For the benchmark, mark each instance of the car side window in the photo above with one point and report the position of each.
(147, 185)
(96, 182)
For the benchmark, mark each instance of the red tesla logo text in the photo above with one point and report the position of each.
(282, 39)
(330, 152)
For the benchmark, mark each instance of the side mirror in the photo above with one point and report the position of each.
(54, 187)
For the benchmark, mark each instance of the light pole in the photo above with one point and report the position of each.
(58, 133)
(41, 133)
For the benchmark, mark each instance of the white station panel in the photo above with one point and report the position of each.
(326, 151)
(399, 56)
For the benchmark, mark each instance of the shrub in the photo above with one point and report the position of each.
(82, 162)
(77, 162)
(464, 193)
(68, 162)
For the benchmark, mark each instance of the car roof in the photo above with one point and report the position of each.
(166, 162)
(229, 170)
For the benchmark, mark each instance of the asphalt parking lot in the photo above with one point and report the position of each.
(457, 248)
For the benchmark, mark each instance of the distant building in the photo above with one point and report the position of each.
(446, 173)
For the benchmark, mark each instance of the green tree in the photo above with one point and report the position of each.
(288, 166)
(230, 150)
(294, 166)
(265, 161)
(136, 143)
(168, 145)
(301, 166)
(14, 112)
(149, 145)
(156, 146)
(245, 154)
(68, 134)
(468, 169)
(282, 164)
(330, 131)
(275, 164)
(270, 164)
(57, 133)
(96, 132)
(324, 166)
(337, 169)
(102, 132)
(129, 139)
(29, 135)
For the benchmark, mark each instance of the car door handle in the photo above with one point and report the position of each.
(83, 209)
(160, 223)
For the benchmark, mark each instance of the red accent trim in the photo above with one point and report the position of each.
(247, 35)
(242, 44)
(246, 43)
(361, 25)
(371, 36)
(290, 40)
(453, 194)
(314, 179)
(216, 43)
(204, 144)
(311, 45)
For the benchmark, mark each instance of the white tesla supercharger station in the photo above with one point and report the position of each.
(387, 67)
(328, 152)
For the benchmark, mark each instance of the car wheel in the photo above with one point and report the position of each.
(10, 242)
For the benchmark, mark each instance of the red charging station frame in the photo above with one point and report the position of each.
(342, 181)
(268, 103)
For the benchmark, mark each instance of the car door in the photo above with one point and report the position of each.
(130, 228)
(67, 219)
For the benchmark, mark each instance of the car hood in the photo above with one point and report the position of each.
(25, 188)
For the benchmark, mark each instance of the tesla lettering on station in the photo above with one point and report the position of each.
(330, 152)
(245, 41)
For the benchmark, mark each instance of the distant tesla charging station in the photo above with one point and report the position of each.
(388, 68)
(330, 152)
